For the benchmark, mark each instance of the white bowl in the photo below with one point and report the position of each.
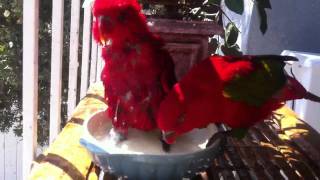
(141, 155)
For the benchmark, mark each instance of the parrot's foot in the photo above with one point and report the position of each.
(117, 136)
(239, 133)
(165, 145)
(165, 137)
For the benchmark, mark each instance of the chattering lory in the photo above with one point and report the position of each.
(138, 71)
(236, 91)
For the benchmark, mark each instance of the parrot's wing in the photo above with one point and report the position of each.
(266, 79)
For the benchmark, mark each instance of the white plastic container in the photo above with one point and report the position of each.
(141, 156)
(307, 71)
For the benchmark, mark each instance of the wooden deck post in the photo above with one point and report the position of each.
(85, 50)
(93, 64)
(30, 82)
(56, 68)
(100, 63)
(73, 58)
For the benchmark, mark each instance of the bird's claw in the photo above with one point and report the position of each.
(117, 136)
(165, 145)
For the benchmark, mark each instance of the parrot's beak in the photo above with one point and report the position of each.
(103, 40)
(312, 97)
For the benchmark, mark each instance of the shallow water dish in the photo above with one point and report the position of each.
(141, 156)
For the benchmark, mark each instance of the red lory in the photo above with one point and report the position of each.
(138, 71)
(236, 91)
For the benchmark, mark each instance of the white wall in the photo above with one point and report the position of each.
(10, 157)
(293, 25)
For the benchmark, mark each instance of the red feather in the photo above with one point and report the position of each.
(138, 72)
(199, 99)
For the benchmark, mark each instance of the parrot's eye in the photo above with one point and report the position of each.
(122, 16)
(105, 20)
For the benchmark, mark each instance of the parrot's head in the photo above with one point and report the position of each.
(292, 90)
(117, 19)
(295, 90)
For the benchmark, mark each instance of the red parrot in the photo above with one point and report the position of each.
(237, 91)
(138, 72)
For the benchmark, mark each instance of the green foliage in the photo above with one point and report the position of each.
(231, 34)
(232, 51)
(11, 66)
(262, 5)
(217, 2)
(236, 6)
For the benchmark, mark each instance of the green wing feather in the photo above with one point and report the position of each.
(260, 85)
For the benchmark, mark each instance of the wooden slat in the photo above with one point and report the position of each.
(30, 82)
(303, 135)
(56, 68)
(2, 155)
(19, 158)
(247, 155)
(102, 66)
(279, 158)
(237, 162)
(289, 154)
(99, 63)
(10, 156)
(272, 149)
(212, 171)
(85, 51)
(313, 161)
(262, 157)
(73, 58)
(267, 156)
(93, 65)
(223, 162)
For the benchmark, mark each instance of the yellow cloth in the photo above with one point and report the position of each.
(66, 158)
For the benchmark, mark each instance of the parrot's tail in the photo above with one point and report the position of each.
(275, 57)
(312, 97)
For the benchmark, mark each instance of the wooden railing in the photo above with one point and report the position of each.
(30, 81)
(30, 69)
(56, 67)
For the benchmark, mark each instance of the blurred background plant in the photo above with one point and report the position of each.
(11, 66)
(11, 49)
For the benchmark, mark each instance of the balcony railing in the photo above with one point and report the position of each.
(30, 69)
